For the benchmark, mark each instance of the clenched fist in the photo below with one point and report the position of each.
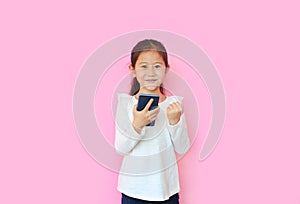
(174, 111)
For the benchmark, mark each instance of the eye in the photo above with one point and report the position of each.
(157, 66)
(144, 66)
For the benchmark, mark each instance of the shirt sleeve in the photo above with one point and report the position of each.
(179, 135)
(126, 138)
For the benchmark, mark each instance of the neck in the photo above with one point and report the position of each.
(156, 91)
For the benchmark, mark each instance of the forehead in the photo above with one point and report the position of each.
(149, 56)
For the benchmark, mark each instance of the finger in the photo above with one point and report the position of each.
(148, 104)
(156, 109)
(172, 107)
(175, 104)
(150, 114)
(152, 117)
(178, 106)
(179, 109)
(153, 114)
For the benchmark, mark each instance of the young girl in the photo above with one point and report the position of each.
(149, 170)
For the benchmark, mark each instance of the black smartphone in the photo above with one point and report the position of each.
(144, 99)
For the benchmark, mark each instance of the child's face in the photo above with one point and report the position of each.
(149, 70)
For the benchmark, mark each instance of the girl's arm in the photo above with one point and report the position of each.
(126, 136)
(179, 135)
(177, 126)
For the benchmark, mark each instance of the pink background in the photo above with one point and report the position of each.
(254, 45)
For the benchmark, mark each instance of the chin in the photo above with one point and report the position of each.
(151, 88)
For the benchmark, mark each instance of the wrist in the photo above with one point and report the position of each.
(137, 127)
(137, 124)
(173, 121)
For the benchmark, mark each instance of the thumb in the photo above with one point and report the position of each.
(148, 104)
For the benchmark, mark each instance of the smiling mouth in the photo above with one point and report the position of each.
(151, 80)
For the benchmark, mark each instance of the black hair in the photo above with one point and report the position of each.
(142, 46)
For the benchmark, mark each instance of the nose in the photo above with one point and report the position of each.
(151, 70)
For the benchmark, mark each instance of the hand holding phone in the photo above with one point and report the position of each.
(143, 104)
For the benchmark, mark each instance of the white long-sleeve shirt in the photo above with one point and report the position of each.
(149, 170)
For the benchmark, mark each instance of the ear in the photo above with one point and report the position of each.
(132, 70)
(167, 69)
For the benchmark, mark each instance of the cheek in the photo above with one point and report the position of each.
(161, 75)
(139, 76)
